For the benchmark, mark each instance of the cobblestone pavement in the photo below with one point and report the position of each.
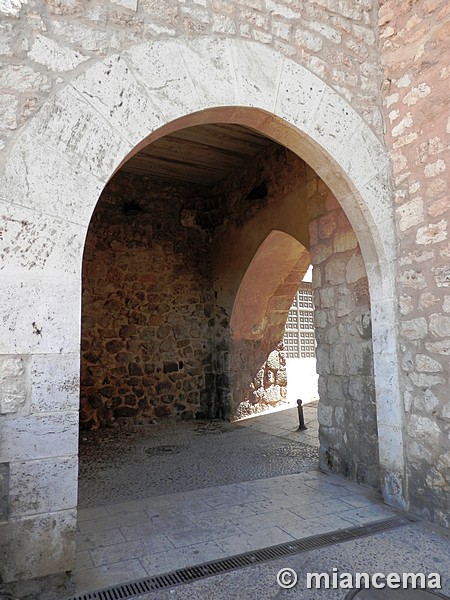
(129, 463)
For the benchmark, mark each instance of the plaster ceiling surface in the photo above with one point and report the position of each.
(201, 155)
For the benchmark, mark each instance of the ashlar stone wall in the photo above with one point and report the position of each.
(415, 47)
(45, 43)
(347, 407)
(149, 314)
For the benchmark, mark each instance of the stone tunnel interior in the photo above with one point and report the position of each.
(193, 256)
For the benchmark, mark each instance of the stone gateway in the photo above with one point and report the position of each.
(321, 132)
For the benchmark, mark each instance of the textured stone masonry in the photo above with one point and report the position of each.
(44, 43)
(359, 90)
(149, 313)
(414, 50)
(347, 409)
(155, 342)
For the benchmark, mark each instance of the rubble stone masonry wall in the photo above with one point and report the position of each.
(415, 47)
(149, 315)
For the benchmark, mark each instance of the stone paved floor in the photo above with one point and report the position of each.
(125, 541)
(417, 548)
(284, 423)
(193, 492)
(234, 487)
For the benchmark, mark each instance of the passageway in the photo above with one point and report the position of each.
(195, 252)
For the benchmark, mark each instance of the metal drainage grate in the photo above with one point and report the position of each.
(247, 559)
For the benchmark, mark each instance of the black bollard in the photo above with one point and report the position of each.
(301, 419)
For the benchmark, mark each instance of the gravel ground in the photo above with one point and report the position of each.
(132, 462)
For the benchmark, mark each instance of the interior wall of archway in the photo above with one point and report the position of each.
(159, 288)
(348, 429)
(258, 319)
(259, 300)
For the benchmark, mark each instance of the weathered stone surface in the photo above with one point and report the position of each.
(22, 78)
(347, 414)
(54, 435)
(344, 240)
(8, 113)
(441, 347)
(423, 380)
(325, 415)
(355, 269)
(416, 130)
(145, 308)
(426, 364)
(414, 329)
(43, 320)
(432, 233)
(410, 214)
(424, 429)
(335, 271)
(425, 401)
(53, 537)
(14, 384)
(55, 57)
(4, 491)
(53, 492)
(440, 325)
(55, 383)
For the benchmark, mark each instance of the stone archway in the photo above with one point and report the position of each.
(261, 307)
(50, 185)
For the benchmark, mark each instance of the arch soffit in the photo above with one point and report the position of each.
(279, 256)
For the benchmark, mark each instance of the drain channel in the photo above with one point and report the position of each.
(247, 559)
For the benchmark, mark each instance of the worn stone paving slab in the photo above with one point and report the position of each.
(188, 537)
(106, 523)
(247, 541)
(100, 538)
(108, 575)
(156, 526)
(131, 549)
(187, 528)
(178, 558)
(218, 515)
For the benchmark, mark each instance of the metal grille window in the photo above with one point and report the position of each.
(299, 340)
